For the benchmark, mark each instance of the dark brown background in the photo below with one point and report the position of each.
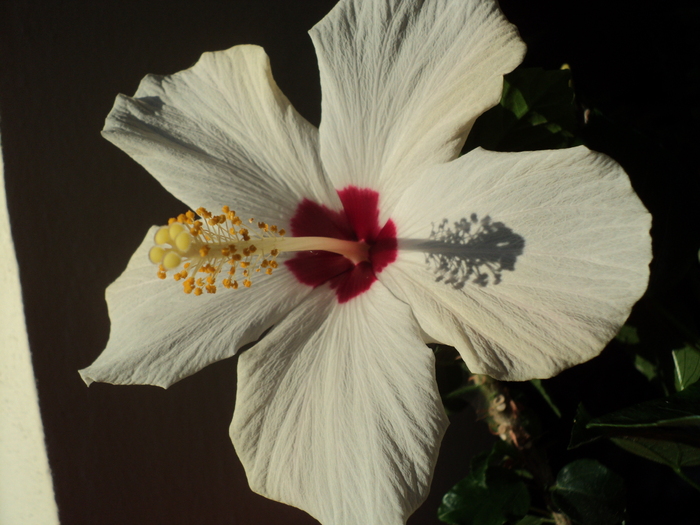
(79, 207)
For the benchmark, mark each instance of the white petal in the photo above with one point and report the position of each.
(221, 133)
(403, 82)
(565, 234)
(337, 410)
(160, 335)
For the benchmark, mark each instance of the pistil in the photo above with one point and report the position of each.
(189, 246)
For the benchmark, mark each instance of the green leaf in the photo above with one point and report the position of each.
(589, 493)
(580, 434)
(531, 520)
(537, 383)
(673, 417)
(675, 455)
(628, 335)
(537, 111)
(647, 368)
(504, 498)
(493, 457)
(686, 363)
(665, 430)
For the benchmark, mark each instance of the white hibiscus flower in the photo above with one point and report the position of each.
(527, 263)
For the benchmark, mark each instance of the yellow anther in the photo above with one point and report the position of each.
(171, 260)
(171, 220)
(162, 236)
(282, 231)
(204, 242)
(183, 241)
(202, 212)
(156, 254)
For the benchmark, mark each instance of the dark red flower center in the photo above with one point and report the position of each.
(357, 221)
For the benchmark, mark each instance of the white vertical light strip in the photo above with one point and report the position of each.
(26, 488)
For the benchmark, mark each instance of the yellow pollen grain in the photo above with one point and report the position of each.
(211, 288)
(156, 254)
(183, 241)
(247, 283)
(162, 236)
(268, 271)
(171, 260)
(204, 250)
(198, 291)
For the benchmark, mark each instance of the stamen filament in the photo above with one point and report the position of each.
(205, 246)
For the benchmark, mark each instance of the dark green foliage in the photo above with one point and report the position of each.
(589, 493)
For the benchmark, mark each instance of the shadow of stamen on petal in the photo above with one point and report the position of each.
(470, 250)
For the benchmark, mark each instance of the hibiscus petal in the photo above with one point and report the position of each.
(403, 82)
(160, 335)
(545, 255)
(337, 410)
(220, 133)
